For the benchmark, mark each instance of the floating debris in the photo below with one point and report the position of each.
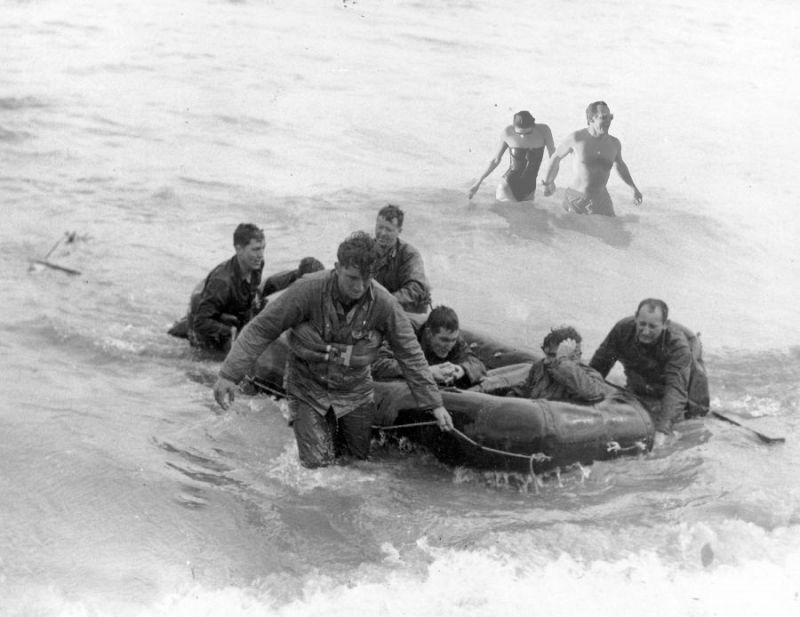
(69, 237)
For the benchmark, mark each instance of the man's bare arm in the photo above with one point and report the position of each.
(492, 165)
(625, 174)
(548, 140)
(562, 151)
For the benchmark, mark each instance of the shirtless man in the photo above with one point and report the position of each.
(595, 153)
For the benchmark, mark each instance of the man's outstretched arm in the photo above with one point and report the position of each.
(625, 174)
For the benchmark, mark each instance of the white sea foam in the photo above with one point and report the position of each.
(477, 583)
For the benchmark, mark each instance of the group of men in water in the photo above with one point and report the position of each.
(351, 324)
(595, 153)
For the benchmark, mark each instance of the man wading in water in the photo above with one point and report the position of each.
(595, 153)
(338, 320)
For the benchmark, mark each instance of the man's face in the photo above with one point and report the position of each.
(649, 324)
(352, 285)
(386, 232)
(442, 341)
(601, 121)
(251, 255)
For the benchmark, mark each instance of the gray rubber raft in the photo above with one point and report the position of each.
(498, 432)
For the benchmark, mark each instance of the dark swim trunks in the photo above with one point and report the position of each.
(522, 172)
(580, 203)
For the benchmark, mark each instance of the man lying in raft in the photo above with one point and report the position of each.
(338, 320)
(449, 356)
(663, 364)
(561, 375)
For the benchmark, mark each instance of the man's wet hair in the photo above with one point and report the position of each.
(358, 251)
(562, 333)
(591, 110)
(523, 120)
(653, 304)
(245, 232)
(391, 212)
(308, 265)
(441, 318)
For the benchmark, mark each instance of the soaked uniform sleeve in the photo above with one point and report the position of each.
(407, 352)
(474, 368)
(607, 354)
(525, 389)
(287, 311)
(213, 300)
(385, 366)
(676, 383)
(414, 288)
(582, 381)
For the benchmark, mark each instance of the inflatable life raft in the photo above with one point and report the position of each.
(499, 432)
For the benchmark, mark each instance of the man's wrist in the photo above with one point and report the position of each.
(227, 377)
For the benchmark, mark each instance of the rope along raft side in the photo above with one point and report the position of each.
(511, 434)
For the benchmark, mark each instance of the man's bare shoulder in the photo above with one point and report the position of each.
(569, 141)
(580, 135)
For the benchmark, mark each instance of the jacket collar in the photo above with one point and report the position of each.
(392, 252)
(239, 273)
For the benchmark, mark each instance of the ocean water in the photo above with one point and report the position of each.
(149, 130)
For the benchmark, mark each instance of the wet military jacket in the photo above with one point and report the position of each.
(402, 272)
(332, 346)
(227, 299)
(386, 367)
(564, 380)
(660, 370)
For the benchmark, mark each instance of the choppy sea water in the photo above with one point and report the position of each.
(151, 129)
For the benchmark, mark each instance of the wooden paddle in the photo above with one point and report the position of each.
(761, 436)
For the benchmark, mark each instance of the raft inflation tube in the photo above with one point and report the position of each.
(516, 434)
(498, 432)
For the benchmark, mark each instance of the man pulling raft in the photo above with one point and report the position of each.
(337, 320)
